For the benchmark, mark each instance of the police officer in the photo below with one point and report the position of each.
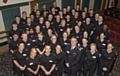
(48, 63)
(72, 58)
(60, 57)
(32, 63)
(19, 58)
(90, 61)
(106, 60)
(40, 43)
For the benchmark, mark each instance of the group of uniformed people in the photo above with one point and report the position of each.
(52, 42)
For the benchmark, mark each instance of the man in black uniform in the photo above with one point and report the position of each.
(72, 59)
(19, 58)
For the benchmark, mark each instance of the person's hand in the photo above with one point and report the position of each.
(67, 64)
(35, 72)
(104, 69)
(47, 73)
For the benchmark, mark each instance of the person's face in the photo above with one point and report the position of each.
(65, 35)
(54, 4)
(100, 19)
(35, 7)
(47, 49)
(68, 30)
(68, 8)
(96, 16)
(63, 23)
(78, 7)
(24, 36)
(102, 36)
(32, 16)
(28, 20)
(93, 48)
(91, 11)
(58, 49)
(54, 39)
(47, 24)
(68, 17)
(105, 27)
(37, 12)
(87, 20)
(84, 41)
(58, 17)
(83, 14)
(41, 19)
(14, 25)
(85, 34)
(76, 14)
(44, 6)
(49, 31)
(110, 47)
(40, 36)
(31, 31)
(60, 13)
(24, 15)
(77, 28)
(17, 19)
(21, 46)
(33, 53)
(73, 42)
(37, 28)
(85, 9)
(79, 23)
(15, 36)
(50, 17)
(53, 9)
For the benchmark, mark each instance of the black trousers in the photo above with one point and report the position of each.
(89, 69)
(19, 72)
(71, 72)
(27, 73)
(60, 71)
(100, 71)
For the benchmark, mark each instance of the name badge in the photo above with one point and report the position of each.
(61, 29)
(50, 61)
(103, 44)
(109, 58)
(65, 43)
(33, 40)
(24, 54)
(43, 43)
(68, 52)
(31, 63)
(28, 44)
(51, 22)
(68, 24)
(77, 36)
(94, 57)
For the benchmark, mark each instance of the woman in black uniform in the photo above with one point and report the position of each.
(48, 63)
(60, 57)
(101, 42)
(32, 63)
(106, 60)
(40, 43)
(90, 61)
(19, 58)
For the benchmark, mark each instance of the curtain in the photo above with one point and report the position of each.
(85, 3)
(65, 3)
(9, 16)
(97, 5)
